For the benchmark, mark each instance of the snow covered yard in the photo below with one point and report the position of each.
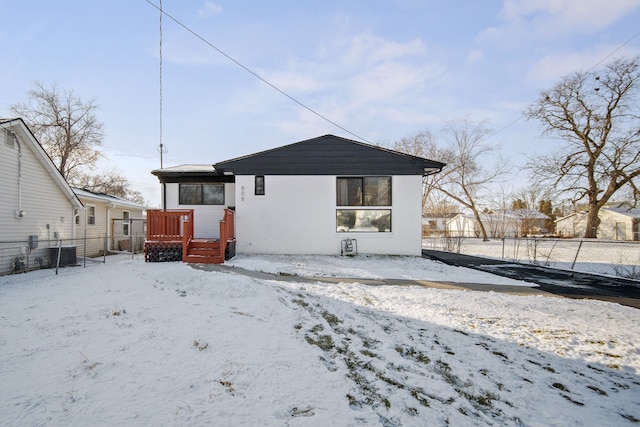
(136, 343)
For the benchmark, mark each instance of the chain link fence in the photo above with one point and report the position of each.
(609, 257)
(20, 256)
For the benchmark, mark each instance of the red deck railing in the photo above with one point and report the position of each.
(166, 225)
(176, 226)
(227, 230)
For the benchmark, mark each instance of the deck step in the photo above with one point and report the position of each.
(204, 259)
(204, 251)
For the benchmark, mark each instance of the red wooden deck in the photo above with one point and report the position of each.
(170, 238)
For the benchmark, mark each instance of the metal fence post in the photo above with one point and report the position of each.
(58, 257)
(577, 252)
(84, 250)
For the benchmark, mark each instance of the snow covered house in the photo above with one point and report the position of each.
(109, 223)
(499, 223)
(616, 223)
(38, 206)
(326, 195)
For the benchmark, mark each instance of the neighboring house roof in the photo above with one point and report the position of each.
(191, 173)
(520, 214)
(329, 155)
(630, 212)
(24, 134)
(500, 215)
(625, 211)
(107, 198)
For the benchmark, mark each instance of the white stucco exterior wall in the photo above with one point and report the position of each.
(297, 215)
(206, 217)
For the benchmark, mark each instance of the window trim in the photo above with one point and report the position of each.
(367, 226)
(363, 217)
(126, 223)
(363, 186)
(259, 188)
(91, 219)
(201, 186)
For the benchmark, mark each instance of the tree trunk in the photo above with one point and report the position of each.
(593, 221)
(482, 229)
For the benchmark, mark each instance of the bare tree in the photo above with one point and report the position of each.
(71, 134)
(595, 115)
(65, 125)
(529, 197)
(109, 182)
(423, 144)
(468, 171)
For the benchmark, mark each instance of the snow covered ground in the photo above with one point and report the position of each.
(134, 343)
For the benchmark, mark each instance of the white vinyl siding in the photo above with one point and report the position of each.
(42, 200)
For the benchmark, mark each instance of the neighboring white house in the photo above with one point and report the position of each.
(38, 206)
(308, 197)
(616, 223)
(109, 223)
(499, 223)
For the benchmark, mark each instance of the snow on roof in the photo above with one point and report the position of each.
(632, 212)
(81, 192)
(189, 168)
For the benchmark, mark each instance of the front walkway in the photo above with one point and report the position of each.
(551, 282)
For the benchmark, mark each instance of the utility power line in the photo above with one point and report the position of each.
(253, 73)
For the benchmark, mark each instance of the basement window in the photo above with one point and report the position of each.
(363, 220)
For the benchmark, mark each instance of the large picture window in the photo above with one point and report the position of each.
(201, 194)
(369, 191)
(364, 191)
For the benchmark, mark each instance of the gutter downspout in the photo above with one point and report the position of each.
(110, 206)
(19, 213)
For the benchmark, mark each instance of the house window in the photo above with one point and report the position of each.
(76, 216)
(126, 224)
(370, 192)
(363, 220)
(201, 194)
(259, 185)
(91, 215)
(364, 191)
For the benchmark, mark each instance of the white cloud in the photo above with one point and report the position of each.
(548, 19)
(209, 9)
(371, 49)
(475, 55)
(552, 67)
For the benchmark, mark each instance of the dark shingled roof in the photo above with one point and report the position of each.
(329, 155)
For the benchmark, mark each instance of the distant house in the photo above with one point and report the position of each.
(499, 223)
(309, 197)
(435, 223)
(38, 206)
(109, 223)
(616, 223)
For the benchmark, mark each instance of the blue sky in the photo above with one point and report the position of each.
(380, 69)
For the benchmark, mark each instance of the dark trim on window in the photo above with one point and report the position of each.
(363, 191)
(259, 185)
(201, 194)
